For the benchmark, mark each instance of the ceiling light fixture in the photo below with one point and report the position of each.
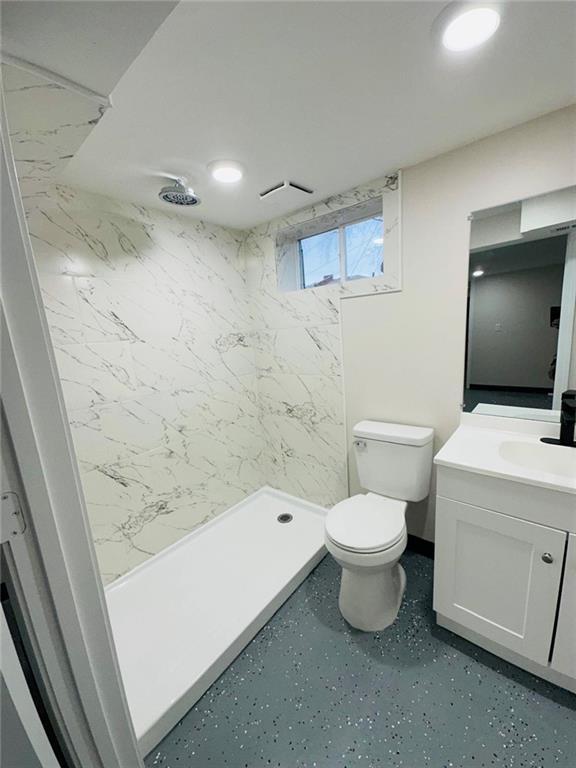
(465, 25)
(478, 273)
(226, 171)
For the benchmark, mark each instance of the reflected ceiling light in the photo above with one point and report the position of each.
(478, 273)
(378, 241)
(75, 270)
(226, 171)
(468, 25)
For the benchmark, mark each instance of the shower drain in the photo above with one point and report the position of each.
(285, 517)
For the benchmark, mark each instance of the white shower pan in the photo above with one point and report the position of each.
(180, 618)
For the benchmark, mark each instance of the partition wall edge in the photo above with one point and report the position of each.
(567, 330)
(52, 564)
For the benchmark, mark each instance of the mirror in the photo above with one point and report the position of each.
(521, 333)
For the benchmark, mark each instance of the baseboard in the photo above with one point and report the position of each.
(506, 388)
(421, 546)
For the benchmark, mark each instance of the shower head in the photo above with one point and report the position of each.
(178, 193)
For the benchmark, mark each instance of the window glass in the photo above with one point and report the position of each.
(320, 259)
(364, 248)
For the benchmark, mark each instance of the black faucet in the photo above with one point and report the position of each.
(567, 421)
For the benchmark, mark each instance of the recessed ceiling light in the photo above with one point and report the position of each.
(467, 28)
(378, 241)
(478, 273)
(226, 171)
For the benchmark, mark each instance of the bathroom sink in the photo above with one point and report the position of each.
(493, 446)
(554, 460)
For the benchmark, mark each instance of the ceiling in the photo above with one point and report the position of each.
(91, 42)
(329, 95)
(530, 254)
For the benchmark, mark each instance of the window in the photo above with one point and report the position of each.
(340, 246)
(364, 248)
(351, 251)
(320, 259)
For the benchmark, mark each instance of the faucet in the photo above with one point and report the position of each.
(567, 421)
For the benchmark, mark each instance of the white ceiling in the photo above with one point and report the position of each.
(91, 42)
(329, 95)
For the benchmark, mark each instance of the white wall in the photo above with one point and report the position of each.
(510, 341)
(403, 353)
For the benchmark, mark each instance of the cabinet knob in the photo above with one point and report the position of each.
(547, 557)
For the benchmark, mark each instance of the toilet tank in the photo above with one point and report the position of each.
(394, 459)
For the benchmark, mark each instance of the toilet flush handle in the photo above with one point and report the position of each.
(360, 444)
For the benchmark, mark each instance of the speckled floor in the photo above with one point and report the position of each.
(311, 692)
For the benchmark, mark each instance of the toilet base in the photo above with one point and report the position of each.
(370, 598)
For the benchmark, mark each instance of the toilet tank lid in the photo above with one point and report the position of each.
(393, 433)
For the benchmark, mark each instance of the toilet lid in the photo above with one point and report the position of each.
(366, 522)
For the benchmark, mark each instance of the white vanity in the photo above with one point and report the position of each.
(505, 566)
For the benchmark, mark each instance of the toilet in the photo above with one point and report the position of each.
(366, 534)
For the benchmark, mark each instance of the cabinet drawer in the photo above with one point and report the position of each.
(490, 576)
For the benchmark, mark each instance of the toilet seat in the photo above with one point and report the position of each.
(366, 523)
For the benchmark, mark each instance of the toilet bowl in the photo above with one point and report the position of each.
(366, 533)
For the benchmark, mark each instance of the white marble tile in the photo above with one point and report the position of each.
(138, 507)
(113, 432)
(91, 243)
(92, 374)
(62, 309)
(314, 403)
(303, 417)
(299, 350)
(301, 475)
(163, 367)
(125, 497)
(136, 311)
(47, 124)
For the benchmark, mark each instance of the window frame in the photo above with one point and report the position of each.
(342, 252)
(288, 244)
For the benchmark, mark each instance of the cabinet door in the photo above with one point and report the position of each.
(490, 577)
(564, 655)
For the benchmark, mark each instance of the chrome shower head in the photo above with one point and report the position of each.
(178, 193)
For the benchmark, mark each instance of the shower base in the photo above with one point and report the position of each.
(181, 618)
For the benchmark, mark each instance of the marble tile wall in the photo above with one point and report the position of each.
(298, 355)
(151, 323)
(190, 380)
(47, 124)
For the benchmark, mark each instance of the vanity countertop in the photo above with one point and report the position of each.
(515, 454)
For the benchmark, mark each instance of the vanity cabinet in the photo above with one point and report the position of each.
(500, 577)
(505, 558)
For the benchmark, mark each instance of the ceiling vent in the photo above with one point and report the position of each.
(287, 186)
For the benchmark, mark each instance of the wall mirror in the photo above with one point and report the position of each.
(521, 333)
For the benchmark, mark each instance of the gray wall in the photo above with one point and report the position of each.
(510, 339)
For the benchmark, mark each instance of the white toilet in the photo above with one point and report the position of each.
(366, 534)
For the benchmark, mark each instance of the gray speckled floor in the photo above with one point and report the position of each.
(309, 691)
